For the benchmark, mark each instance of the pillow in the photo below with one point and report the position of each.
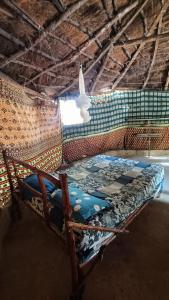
(84, 205)
(33, 181)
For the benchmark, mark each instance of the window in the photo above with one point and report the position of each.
(70, 113)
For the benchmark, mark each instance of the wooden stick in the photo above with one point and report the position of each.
(22, 14)
(36, 170)
(114, 40)
(72, 8)
(19, 43)
(152, 28)
(95, 228)
(83, 30)
(58, 5)
(11, 38)
(146, 39)
(69, 59)
(167, 82)
(44, 197)
(104, 50)
(6, 12)
(154, 54)
(70, 234)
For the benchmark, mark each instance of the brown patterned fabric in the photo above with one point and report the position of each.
(29, 130)
(134, 142)
(76, 149)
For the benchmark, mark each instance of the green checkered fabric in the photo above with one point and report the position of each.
(122, 109)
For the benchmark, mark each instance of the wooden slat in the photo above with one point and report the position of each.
(6, 12)
(59, 6)
(114, 40)
(29, 188)
(167, 82)
(22, 14)
(146, 39)
(95, 228)
(69, 59)
(134, 57)
(72, 8)
(36, 171)
(154, 54)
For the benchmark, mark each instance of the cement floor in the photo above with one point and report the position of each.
(35, 265)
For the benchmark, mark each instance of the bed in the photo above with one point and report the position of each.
(89, 203)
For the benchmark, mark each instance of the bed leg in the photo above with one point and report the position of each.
(15, 211)
(78, 293)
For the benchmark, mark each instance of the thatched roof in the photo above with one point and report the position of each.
(121, 44)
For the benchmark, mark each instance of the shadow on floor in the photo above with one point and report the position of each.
(35, 265)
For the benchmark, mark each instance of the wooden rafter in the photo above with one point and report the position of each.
(11, 38)
(152, 28)
(68, 44)
(83, 30)
(69, 11)
(114, 40)
(19, 43)
(59, 5)
(154, 54)
(69, 59)
(146, 39)
(167, 82)
(6, 12)
(22, 14)
(144, 20)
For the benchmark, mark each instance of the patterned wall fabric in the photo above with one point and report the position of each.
(121, 110)
(91, 145)
(28, 130)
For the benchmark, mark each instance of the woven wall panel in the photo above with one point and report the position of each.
(28, 131)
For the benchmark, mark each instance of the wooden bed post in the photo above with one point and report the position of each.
(15, 211)
(44, 198)
(75, 270)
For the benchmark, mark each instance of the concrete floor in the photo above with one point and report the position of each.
(35, 265)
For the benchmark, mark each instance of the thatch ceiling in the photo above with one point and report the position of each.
(121, 44)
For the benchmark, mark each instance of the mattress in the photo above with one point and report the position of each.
(125, 184)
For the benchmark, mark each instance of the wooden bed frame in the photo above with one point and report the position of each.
(79, 271)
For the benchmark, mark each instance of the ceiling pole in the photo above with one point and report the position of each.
(58, 5)
(22, 14)
(167, 82)
(146, 39)
(152, 28)
(86, 44)
(154, 54)
(114, 40)
(70, 10)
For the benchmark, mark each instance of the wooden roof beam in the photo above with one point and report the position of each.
(6, 12)
(69, 59)
(84, 30)
(146, 39)
(58, 5)
(34, 24)
(144, 20)
(19, 43)
(22, 14)
(154, 54)
(114, 40)
(152, 28)
(69, 11)
(167, 82)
